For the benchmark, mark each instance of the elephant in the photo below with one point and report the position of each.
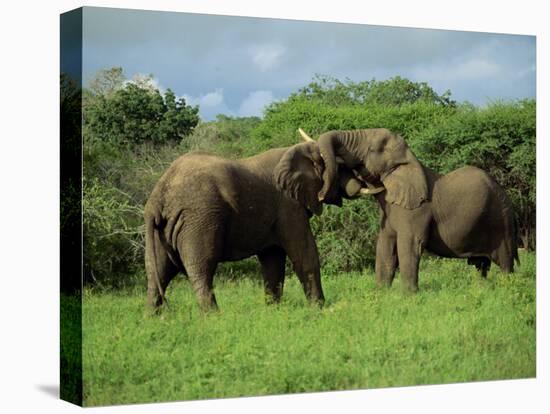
(462, 214)
(206, 209)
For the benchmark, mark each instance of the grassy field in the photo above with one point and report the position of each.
(458, 328)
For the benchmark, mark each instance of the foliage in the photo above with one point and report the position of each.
(70, 115)
(226, 136)
(134, 112)
(458, 328)
(282, 120)
(392, 92)
(113, 235)
(346, 237)
(70, 182)
(107, 81)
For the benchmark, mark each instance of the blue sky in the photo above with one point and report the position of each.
(237, 65)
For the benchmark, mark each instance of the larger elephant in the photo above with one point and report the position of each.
(464, 214)
(205, 210)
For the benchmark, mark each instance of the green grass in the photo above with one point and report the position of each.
(458, 328)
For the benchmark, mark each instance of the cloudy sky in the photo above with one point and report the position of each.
(237, 65)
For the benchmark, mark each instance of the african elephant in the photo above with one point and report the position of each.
(463, 214)
(205, 210)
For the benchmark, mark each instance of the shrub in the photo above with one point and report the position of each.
(346, 236)
(226, 136)
(113, 235)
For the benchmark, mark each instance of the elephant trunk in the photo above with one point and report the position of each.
(345, 145)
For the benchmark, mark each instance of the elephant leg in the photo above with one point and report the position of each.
(165, 269)
(386, 258)
(301, 249)
(409, 250)
(483, 264)
(272, 261)
(201, 275)
(200, 256)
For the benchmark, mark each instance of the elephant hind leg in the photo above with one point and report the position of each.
(272, 261)
(201, 276)
(482, 263)
(199, 254)
(504, 258)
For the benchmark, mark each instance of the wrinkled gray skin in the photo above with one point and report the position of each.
(463, 214)
(205, 210)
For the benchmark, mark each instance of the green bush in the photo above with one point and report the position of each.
(226, 136)
(113, 235)
(346, 236)
(280, 125)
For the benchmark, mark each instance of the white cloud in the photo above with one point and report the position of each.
(527, 71)
(255, 102)
(146, 81)
(473, 69)
(210, 104)
(209, 100)
(212, 98)
(267, 56)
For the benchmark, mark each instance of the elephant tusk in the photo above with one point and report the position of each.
(368, 191)
(305, 136)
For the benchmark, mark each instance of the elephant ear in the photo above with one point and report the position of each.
(298, 175)
(406, 184)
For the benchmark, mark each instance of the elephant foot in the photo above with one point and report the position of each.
(383, 283)
(410, 288)
(482, 264)
(320, 303)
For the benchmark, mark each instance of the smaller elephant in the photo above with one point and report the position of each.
(206, 209)
(463, 214)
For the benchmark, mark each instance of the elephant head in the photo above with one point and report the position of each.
(380, 157)
(299, 175)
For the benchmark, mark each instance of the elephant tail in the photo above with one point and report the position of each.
(511, 231)
(152, 223)
(515, 240)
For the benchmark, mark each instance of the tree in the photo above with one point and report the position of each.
(391, 92)
(123, 112)
(106, 81)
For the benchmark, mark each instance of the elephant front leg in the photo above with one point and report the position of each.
(297, 240)
(409, 250)
(302, 251)
(272, 261)
(310, 277)
(386, 258)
